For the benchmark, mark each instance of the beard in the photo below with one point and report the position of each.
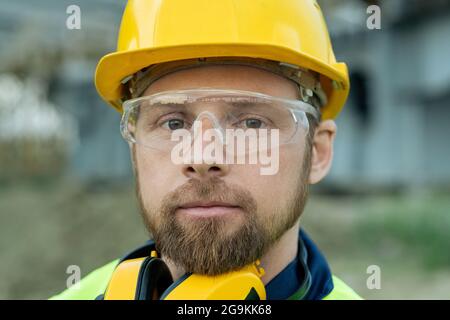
(202, 246)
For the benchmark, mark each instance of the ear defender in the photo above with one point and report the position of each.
(139, 279)
(149, 278)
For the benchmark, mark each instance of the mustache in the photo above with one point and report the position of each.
(214, 189)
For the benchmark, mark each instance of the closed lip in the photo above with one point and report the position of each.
(207, 204)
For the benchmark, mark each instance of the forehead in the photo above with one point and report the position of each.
(227, 77)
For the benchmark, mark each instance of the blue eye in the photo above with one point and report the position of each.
(174, 124)
(253, 123)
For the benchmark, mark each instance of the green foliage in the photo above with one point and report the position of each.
(418, 225)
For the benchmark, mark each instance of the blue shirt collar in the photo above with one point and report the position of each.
(307, 277)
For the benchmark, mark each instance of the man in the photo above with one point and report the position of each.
(261, 70)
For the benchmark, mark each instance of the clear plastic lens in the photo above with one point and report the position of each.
(153, 120)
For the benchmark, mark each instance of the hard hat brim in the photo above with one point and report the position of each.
(114, 67)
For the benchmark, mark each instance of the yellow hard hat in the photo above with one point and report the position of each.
(288, 31)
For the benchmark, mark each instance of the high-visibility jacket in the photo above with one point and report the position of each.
(319, 284)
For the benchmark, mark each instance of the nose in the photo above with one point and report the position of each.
(208, 167)
(208, 120)
(205, 171)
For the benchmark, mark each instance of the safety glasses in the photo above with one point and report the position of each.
(155, 121)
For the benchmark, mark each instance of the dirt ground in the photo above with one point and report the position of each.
(45, 227)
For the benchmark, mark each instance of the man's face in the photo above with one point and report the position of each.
(214, 218)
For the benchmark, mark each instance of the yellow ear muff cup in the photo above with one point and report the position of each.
(242, 284)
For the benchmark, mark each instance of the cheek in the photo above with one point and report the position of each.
(152, 176)
(272, 192)
(291, 163)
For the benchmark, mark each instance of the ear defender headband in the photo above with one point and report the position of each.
(149, 278)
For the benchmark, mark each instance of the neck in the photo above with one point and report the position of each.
(273, 261)
(280, 254)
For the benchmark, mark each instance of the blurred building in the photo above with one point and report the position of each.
(38, 47)
(395, 127)
(393, 131)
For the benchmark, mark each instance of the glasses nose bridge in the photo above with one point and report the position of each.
(210, 120)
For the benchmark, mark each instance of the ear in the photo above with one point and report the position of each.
(132, 147)
(322, 150)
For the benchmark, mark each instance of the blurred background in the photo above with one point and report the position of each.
(66, 184)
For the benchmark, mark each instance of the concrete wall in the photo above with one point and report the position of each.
(405, 139)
